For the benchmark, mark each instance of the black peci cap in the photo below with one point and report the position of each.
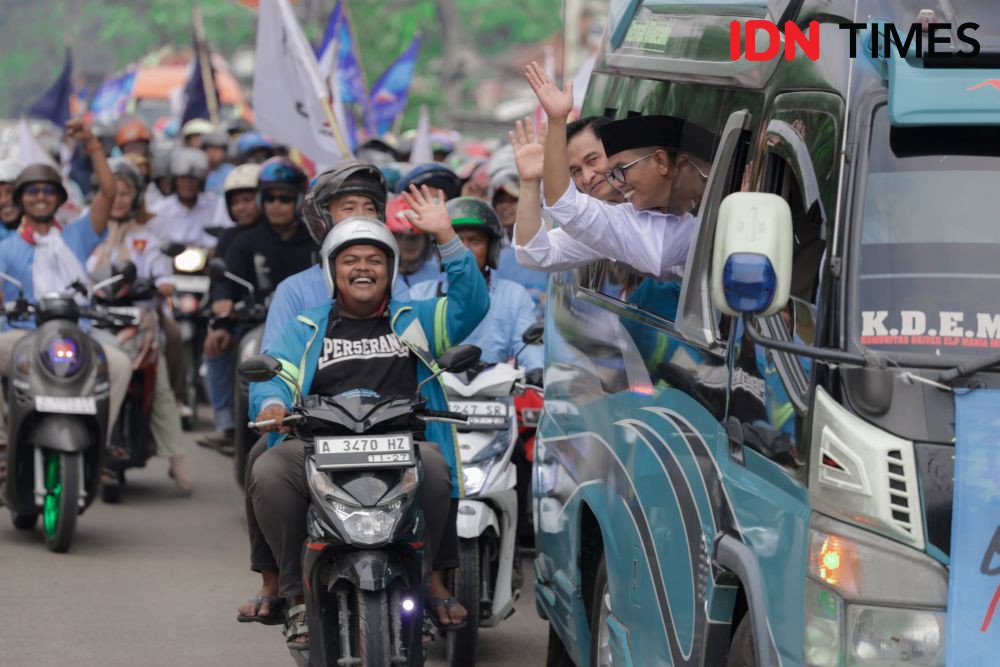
(640, 132)
(697, 141)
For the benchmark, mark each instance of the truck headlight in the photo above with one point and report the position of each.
(871, 601)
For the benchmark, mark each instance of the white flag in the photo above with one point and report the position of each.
(288, 94)
(422, 151)
(29, 149)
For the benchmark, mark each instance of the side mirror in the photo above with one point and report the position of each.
(459, 358)
(127, 271)
(752, 254)
(534, 333)
(260, 368)
(217, 268)
(214, 230)
(172, 249)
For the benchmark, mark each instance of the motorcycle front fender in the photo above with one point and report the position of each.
(474, 517)
(62, 433)
(367, 570)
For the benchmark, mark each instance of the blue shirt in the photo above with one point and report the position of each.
(217, 179)
(499, 334)
(17, 257)
(535, 282)
(431, 270)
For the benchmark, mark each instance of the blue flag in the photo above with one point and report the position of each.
(111, 98)
(389, 94)
(54, 104)
(196, 102)
(351, 85)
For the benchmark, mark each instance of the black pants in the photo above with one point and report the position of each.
(278, 498)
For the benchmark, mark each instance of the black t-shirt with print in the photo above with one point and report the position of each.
(364, 354)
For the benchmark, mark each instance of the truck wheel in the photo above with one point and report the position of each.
(742, 652)
(462, 643)
(600, 610)
(62, 492)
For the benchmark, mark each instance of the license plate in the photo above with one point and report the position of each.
(195, 284)
(482, 413)
(376, 451)
(69, 405)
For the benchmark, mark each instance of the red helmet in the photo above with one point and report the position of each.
(396, 219)
(132, 130)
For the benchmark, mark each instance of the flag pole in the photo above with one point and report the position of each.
(335, 128)
(206, 65)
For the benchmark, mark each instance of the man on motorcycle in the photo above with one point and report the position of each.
(264, 255)
(240, 192)
(183, 216)
(10, 214)
(130, 238)
(360, 260)
(134, 137)
(216, 147)
(44, 257)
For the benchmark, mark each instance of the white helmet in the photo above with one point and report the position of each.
(9, 169)
(357, 230)
(243, 177)
(189, 162)
(196, 126)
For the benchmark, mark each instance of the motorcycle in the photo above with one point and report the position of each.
(137, 333)
(364, 565)
(487, 582)
(57, 419)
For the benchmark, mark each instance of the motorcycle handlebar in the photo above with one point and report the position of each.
(273, 422)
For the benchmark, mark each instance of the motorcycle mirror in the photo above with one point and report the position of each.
(260, 368)
(217, 268)
(214, 230)
(459, 358)
(533, 334)
(172, 249)
(127, 271)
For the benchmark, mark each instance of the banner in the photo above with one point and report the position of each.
(390, 92)
(288, 93)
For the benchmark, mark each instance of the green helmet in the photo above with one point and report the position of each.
(474, 213)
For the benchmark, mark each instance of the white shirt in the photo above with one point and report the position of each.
(652, 242)
(177, 223)
(553, 250)
(143, 246)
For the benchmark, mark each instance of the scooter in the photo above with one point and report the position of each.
(486, 583)
(364, 565)
(57, 419)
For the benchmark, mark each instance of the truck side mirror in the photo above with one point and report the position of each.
(752, 254)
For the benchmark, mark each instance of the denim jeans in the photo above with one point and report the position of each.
(220, 377)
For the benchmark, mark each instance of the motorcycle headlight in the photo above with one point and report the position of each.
(62, 355)
(368, 525)
(475, 476)
(192, 260)
(497, 446)
(871, 601)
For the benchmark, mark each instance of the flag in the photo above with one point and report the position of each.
(422, 151)
(54, 104)
(111, 98)
(339, 64)
(29, 149)
(201, 96)
(288, 94)
(388, 97)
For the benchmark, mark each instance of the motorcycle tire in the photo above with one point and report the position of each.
(62, 491)
(24, 520)
(373, 639)
(462, 643)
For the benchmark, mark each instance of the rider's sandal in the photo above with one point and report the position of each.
(275, 615)
(297, 628)
(433, 604)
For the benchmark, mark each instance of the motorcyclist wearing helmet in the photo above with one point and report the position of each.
(183, 216)
(159, 177)
(131, 239)
(45, 257)
(434, 175)
(240, 192)
(216, 147)
(10, 214)
(511, 309)
(278, 246)
(417, 261)
(134, 136)
(193, 130)
(253, 147)
(359, 258)
(347, 190)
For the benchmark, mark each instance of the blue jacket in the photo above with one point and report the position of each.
(535, 282)
(499, 334)
(300, 292)
(427, 327)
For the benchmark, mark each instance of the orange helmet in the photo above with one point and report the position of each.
(133, 130)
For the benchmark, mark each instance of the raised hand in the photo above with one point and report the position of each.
(431, 214)
(556, 103)
(529, 150)
(76, 128)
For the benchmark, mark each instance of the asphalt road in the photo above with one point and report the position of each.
(157, 580)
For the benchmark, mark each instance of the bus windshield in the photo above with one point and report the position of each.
(929, 271)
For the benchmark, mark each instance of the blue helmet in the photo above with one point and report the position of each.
(282, 173)
(250, 142)
(433, 175)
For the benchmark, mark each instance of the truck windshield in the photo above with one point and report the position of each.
(929, 274)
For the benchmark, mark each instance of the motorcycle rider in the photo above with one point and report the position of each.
(417, 261)
(130, 238)
(159, 176)
(44, 257)
(193, 130)
(359, 262)
(134, 136)
(240, 196)
(216, 147)
(264, 255)
(10, 214)
(253, 147)
(183, 216)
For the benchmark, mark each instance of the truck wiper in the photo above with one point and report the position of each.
(963, 370)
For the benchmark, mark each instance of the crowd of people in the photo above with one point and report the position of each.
(346, 261)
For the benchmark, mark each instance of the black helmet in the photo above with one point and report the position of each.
(281, 173)
(474, 213)
(347, 178)
(39, 173)
(433, 175)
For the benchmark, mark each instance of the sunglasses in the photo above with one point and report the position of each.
(47, 190)
(284, 199)
(616, 176)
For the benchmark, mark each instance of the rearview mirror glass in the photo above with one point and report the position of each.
(172, 249)
(260, 368)
(217, 268)
(534, 333)
(127, 271)
(460, 358)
